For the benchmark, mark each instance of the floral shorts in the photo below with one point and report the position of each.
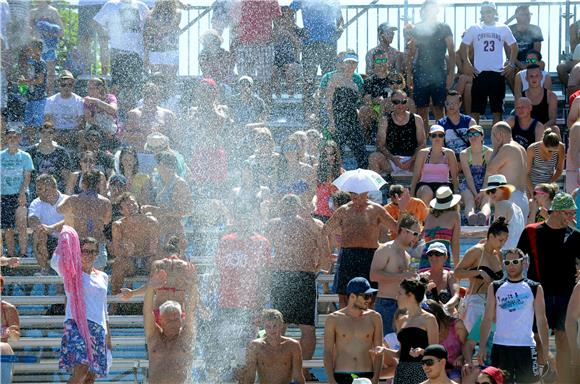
(73, 350)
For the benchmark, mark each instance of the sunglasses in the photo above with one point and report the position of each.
(428, 362)
(366, 296)
(435, 254)
(437, 135)
(66, 84)
(474, 134)
(514, 262)
(381, 61)
(415, 234)
(540, 192)
(531, 61)
(398, 82)
(490, 191)
(397, 102)
(89, 251)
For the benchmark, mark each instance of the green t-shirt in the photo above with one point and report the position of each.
(358, 80)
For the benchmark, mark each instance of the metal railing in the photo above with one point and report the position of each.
(361, 23)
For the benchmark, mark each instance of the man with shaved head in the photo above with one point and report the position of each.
(509, 159)
(525, 129)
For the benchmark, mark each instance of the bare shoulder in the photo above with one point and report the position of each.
(372, 314)
(290, 343)
(376, 207)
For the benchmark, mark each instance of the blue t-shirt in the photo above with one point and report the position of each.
(456, 135)
(319, 19)
(13, 168)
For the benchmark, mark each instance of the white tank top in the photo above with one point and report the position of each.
(514, 305)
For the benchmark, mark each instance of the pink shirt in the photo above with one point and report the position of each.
(255, 24)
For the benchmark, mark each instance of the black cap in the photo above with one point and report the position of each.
(359, 285)
(436, 350)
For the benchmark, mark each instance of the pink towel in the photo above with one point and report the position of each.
(70, 266)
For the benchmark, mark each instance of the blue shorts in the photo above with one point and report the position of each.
(34, 113)
(387, 308)
(427, 89)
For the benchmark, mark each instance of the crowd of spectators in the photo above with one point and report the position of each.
(107, 170)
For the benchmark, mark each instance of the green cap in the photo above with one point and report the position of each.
(563, 202)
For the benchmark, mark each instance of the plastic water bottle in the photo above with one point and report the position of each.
(23, 89)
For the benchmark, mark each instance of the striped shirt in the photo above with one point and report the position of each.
(542, 170)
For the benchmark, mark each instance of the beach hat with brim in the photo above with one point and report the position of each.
(156, 142)
(498, 181)
(444, 198)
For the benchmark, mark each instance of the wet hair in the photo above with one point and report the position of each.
(396, 189)
(340, 198)
(550, 138)
(88, 240)
(168, 159)
(399, 92)
(439, 212)
(272, 315)
(290, 205)
(92, 179)
(453, 92)
(36, 44)
(99, 82)
(170, 306)
(396, 76)
(407, 221)
(499, 225)
(128, 151)
(436, 308)
(518, 252)
(550, 188)
(325, 170)
(533, 66)
(535, 52)
(46, 179)
(417, 287)
(172, 245)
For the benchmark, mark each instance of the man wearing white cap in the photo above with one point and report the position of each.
(488, 39)
(509, 159)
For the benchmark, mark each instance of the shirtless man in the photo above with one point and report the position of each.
(481, 264)
(277, 359)
(170, 339)
(573, 157)
(360, 222)
(135, 241)
(88, 213)
(173, 201)
(149, 118)
(391, 265)
(298, 248)
(509, 159)
(351, 335)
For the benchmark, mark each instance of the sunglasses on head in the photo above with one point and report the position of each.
(531, 61)
(437, 135)
(514, 262)
(397, 101)
(474, 134)
(381, 61)
(428, 362)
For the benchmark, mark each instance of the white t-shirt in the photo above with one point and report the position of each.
(46, 212)
(124, 21)
(514, 305)
(488, 42)
(95, 288)
(65, 112)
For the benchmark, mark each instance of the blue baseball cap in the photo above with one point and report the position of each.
(358, 286)
(350, 57)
